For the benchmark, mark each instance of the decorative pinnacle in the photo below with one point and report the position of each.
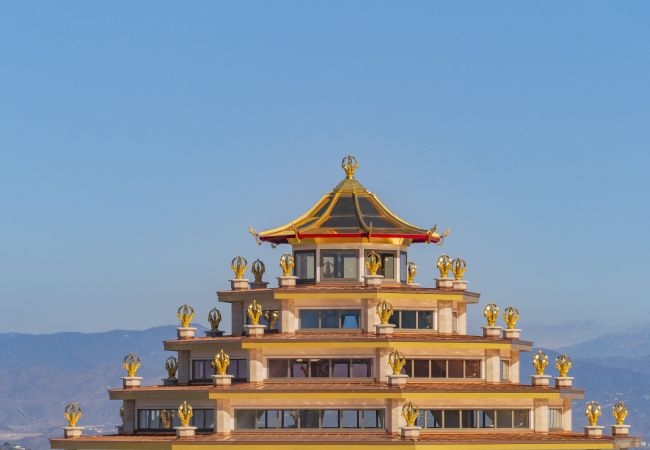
(540, 361)
(185, 315)
(239, 264)
(592, 412)
(384, 311)
(214, 317)
(396, 361)
(444, 264)
(220, 363)
(411, 271)
(410, 412)
(131, 364)
(254, 312)
(511, 316)
(171, 366)
(258, 268)
(349, 164)
(620, 411)
(373, 263)
(72, 414)
(286, 264)
(459, 268)
(271, 317)
(491, 312)
(185, 413)
(563, 363)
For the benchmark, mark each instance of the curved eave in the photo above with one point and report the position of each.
(284, 239)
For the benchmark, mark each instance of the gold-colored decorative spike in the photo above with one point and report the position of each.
(220, 363)
(373, 263)
(434, 236)
(254, 313)
(540, 361)
(185, 315)
(491, 312)
(444, 264)
(258, 268)
(214, 317)
(396, 361)
(185, 413)
(72, 414)
(350, 165)
(411, 271)
(271, 317)
(286, 263)
(511, 316)
(563, 364)
(239, 264)
(620, 412)
(171, 366)
(592, 412)
(384, 311)
(131, 364)
(410, 412)
(459, 268)
(165, 419)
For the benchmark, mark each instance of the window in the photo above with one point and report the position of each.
(403, 261)
(474, 418)
(443, 368)
(387, 269)
(319, 368)
(164, 420)
(454, 322)
(305, 265)
(202, 369)
(309, 418)
(413, 320)
(505, 370)
(338, 264)
(554, 419)
(329, 318)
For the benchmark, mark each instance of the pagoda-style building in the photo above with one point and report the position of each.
(349, 351)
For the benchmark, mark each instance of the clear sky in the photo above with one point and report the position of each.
(139, 140)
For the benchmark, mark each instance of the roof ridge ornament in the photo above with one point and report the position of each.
(350, 165)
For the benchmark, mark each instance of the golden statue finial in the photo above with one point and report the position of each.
(511, 316)
(258, 268)
(171, 366)
(271, 317)
(433, 236)
(286, 263)
(220, 363)
(410, 412)
(131, 364)
(396, 361)
(239, 264)
(214, 317)
(540, 361)
(165, 419)
(444, 264)
(185, 413)
(185, 315)
(563, 363)
(254, 313)
(411, 271)
(592, 412)
(384, 311)
(620, 412)
(350, 165)
(459, 268)
(72, 414)
(373, 263)
(491, 312)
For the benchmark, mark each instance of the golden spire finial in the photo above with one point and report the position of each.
(411, 271)
(384, 311)
(444, 264)
(459, 268)
(131, 363)
(239, 264)
(540, 361)
(165, 419)
(592, 412)
(286, 263)
(214, 317)
(410, 412)
(620, 412)
(396, 361)
(373, 263)
(254, 313)
(491, 312)
(511, 316)
(258, 268)
(171, 366)
(72, 413)
(271, 317)
(349, 164)
(185, 413)
(220, 363)
(563, 363)
(185, 315)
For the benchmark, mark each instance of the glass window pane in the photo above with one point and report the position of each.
(504, 418)
(380, 418)
(176, 421)
(273, 418)
(350, 319)
(425, 320)
(245, 418)
(304, 265)
(340, 368)
(421, 368)
(261, 419)
(455, 368)
(402, 266)
(394, 319)
(349, 418)
(370, 418)
(209, 419)
(469, 418)
(408, 368)
(361, 368)
(330, 418)
(309, 318)
(327, 267)
(472, 368)
(198, 418)
(278, 368)
(522, 418)
(434, 418)
(309, 418)
(320, 368)
(409, 319)
(452, 418)
(299, 368)
(486, 418)
(439, 368)
(505, 369)
(388, 266)
(329, 318)
(290, 418)
(350, 266)
(419, 422)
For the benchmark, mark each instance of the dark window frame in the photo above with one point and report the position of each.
(396, 319)
(369, 362)
(326, 253)
(377, 414)
(341, 315)
(208, 413)
(301, 252)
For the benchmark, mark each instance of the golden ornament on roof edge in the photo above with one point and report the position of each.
(563, 364)
(185, 413)
(72, 414)
(258, 268)
(459, 268)
(271, 317)
(592, 412)
(411, 271)
(491, 312)
(131, 364)
(239, 264)
(396, 361)
(511, 316)
(214, 317)
(620, 412)
(540, 361)
(286, 263)
(220, 363)
(171, 366)
(384, 311)
(410, 412)
(444, 265)
(254, 313)
(185, 315)
(349, 165)
(373, 263)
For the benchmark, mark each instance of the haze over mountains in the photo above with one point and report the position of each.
(41, 373)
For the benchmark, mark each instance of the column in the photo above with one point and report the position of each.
(255, 365)
(541, 415)
(369, 310)
(183, 367)
(445, 317)
(382, 369)
(567, 418)
(237, 318)
(223, 416)
(394, 412)
(462, 318)
(289, 322)
(128, 420)
(492, 366)
(514, 366)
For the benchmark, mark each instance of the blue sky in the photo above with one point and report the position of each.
(139, 140)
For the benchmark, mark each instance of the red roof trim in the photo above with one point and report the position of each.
(415, 237)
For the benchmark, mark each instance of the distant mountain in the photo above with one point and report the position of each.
(632, 343)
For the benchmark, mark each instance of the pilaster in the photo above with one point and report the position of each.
(567, 415)
(394, 419)
(183, 367)
(128, 419)
(462, 318)
(255, 365)
(237, 318)
(223, 413)
(541, 415)
(288, 322)
(445, 317)
(514, 366)
(492, 366)
(382, 369)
